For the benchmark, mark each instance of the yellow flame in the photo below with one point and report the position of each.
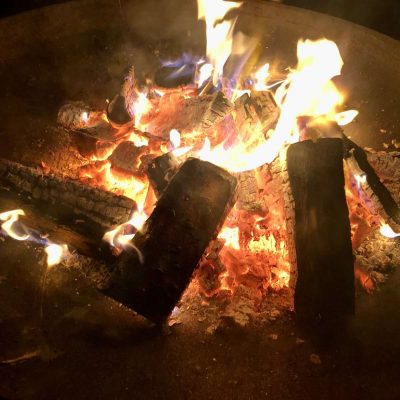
(345, 117)
(10, 218)
(55, 253)
(219, 32)
(261, 77)
(175, 138)
(116, 237)
(231, 237)
(388, 232)
(205, 72)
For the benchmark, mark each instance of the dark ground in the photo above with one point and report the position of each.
(381, 15)
(77, 344)
(87, 347)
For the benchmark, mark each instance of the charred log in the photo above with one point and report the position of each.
(186, 218)
(58, 225)
(105, 208)
(160, 171)
(379, 197)
(325, 283)
(126, 157)
(117, 113)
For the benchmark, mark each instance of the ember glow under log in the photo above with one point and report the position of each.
(325, 283)
(152, 276)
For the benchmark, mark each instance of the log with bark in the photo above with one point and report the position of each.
(152, 277)
(325, 282)
(102, 207)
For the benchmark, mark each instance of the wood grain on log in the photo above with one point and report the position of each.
(105, 208)
(186, 218)
(190, 114)
(325, 283)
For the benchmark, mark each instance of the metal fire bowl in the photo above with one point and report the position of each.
(81, 51)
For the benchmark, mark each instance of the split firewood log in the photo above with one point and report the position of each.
(325, 282)
(105, 208)
(152, 277)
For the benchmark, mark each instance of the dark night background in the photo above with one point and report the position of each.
(381, 15)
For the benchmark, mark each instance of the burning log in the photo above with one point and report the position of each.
(380, 200)
(192, 114)
(160, 171)
(187, 217)
(325, 283)
(126, 157)
(56, 223)
(105, 208)
(78, 115)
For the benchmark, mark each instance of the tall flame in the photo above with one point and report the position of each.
(219, 32)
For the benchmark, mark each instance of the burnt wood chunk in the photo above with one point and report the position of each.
(380, 197)
(105, 208)
(117, 113)
(161, 170)
(325, 283)
(186, 218)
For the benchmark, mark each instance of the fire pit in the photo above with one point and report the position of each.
(97, 164)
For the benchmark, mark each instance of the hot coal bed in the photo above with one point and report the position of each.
(216, 187)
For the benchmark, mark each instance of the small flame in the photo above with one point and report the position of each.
(345, 117)
(10, 218)
(205, 73)
(55, 254)
(175, 138)
(261, 77)
(85, 116)
(120, 240)
(231, 237)
(388, 232)
(219, 32)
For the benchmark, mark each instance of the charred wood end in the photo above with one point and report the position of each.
(161, 170)
(187, 217)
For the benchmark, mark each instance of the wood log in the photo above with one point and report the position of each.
(325, 283)
(55, 222)
(126, 157)
(189, 114)
(78, 115)
(105, 208)
(117, 113)
(377, 198)
(186, 218)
